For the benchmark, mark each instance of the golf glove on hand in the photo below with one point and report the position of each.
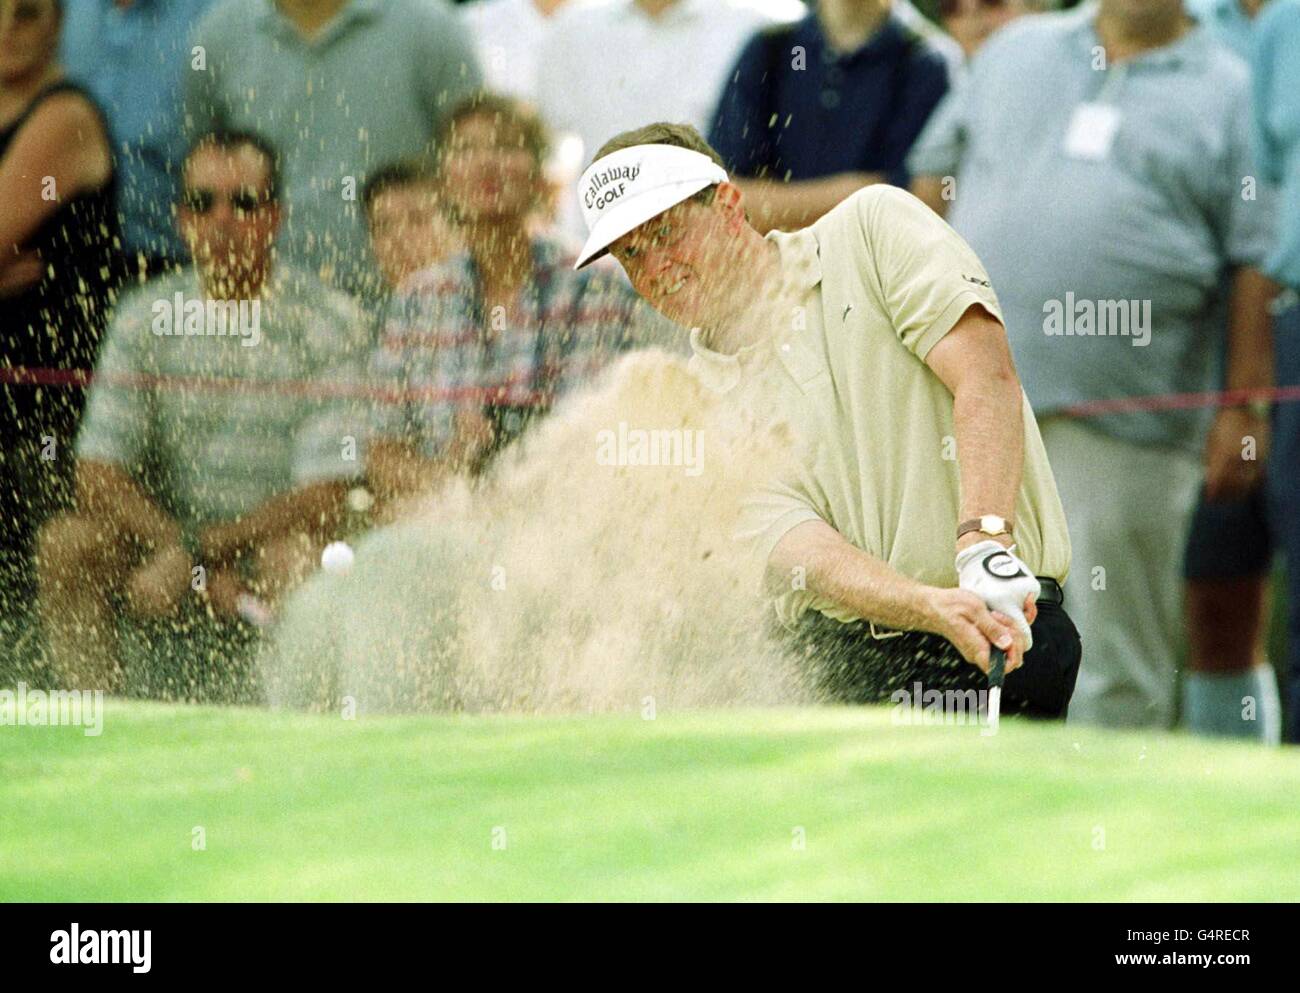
(1000, 579)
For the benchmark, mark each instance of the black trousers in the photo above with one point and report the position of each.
(844, 663)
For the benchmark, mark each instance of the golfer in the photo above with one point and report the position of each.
(922, 525)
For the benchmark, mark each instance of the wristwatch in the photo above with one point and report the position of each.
(989, 524)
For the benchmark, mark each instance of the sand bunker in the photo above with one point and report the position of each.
(572, 578)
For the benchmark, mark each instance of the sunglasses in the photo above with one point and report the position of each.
(951, 8)
(241, 201)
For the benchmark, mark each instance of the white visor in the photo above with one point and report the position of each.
(628, 187)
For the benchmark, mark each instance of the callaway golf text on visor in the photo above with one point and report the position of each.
(628, 187)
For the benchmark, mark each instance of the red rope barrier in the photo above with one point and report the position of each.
(25, 376)
(1181, 401)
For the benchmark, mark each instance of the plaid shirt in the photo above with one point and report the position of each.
(440, 353)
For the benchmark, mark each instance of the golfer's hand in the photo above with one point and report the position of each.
(961, 617)
(1001, 580)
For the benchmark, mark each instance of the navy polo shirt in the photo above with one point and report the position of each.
(795, 109)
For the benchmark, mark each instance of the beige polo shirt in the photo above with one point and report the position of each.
(867, 292)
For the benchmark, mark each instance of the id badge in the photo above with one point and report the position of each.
(1092, 131)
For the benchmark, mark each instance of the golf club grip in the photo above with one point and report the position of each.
(997, 665)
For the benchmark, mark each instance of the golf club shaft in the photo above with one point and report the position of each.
(997, 666)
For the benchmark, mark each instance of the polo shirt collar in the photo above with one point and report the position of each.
(891, 34)
(1190, 49)
(800, 269)
(801, 261)
(720, 373)
(353, 12)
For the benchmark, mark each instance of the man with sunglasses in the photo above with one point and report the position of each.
(219, 436)
(340, 87)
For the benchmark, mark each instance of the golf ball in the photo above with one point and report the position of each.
(337, 558)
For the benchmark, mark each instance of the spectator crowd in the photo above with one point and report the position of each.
(270, 268)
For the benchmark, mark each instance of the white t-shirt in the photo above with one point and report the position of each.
(607, 66)
(508, 36)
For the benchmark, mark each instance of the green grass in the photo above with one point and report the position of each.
(697, 806)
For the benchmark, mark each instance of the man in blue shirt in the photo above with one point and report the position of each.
(133, 56)
(340, 87)
(823, 107)
(1276, 80)
(1225, 645)
(1099, 161)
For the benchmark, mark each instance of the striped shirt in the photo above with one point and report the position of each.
(214, 421)
(441, 353)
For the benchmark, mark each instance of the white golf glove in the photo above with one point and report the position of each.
(1000, 579)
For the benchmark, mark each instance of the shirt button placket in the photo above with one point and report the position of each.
(833, 82)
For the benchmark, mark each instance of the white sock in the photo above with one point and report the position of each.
(1237, 705)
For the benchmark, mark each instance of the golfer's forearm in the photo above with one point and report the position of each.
(108, 494)
(315, 509)
(989, 421)
(787, 206)
(835, 570)
(1250, 332)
